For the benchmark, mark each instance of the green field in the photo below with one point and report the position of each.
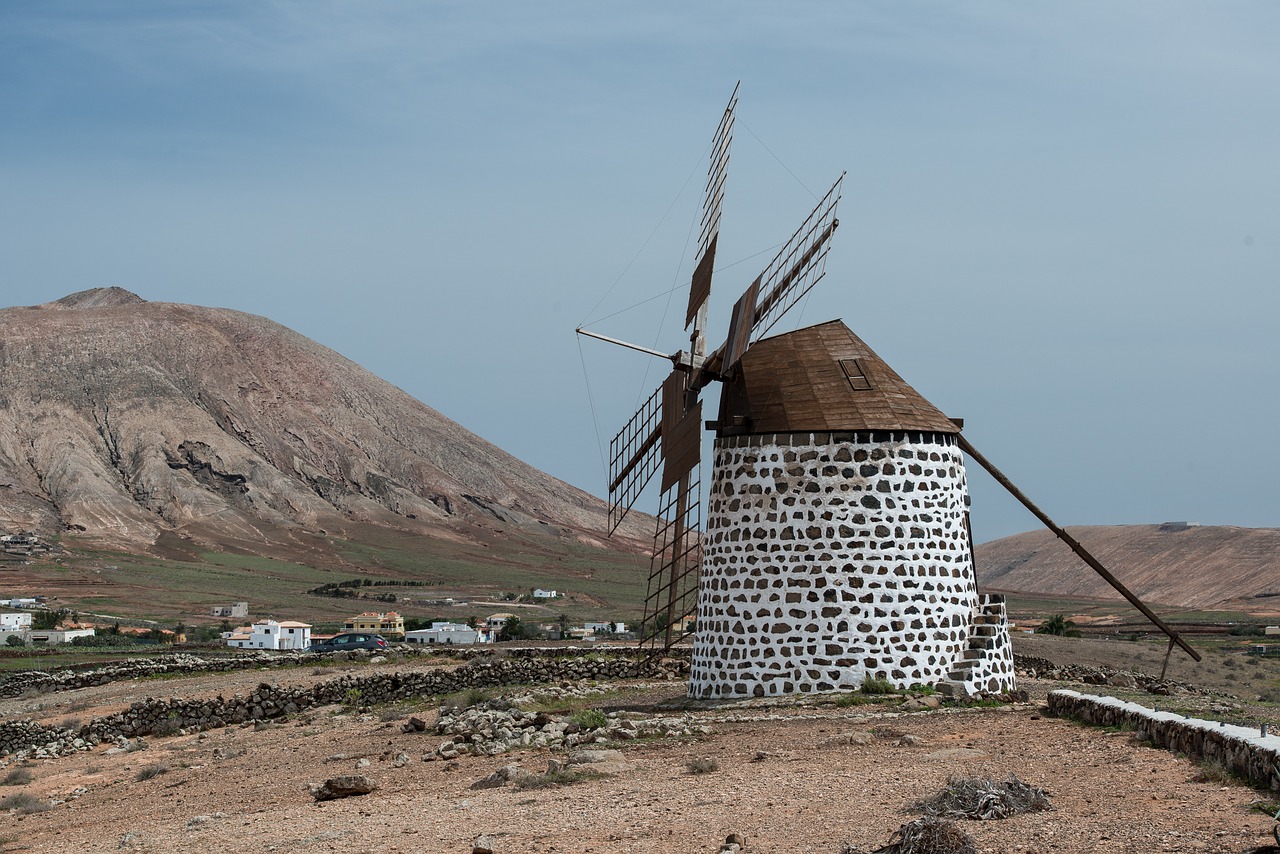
(99, 585)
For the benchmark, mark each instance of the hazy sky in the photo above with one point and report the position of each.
(1061, 221)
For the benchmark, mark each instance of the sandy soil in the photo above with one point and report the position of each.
(780, 782)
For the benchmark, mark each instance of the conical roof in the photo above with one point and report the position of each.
(821, 378)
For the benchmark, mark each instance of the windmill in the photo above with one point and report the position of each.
(837, 546)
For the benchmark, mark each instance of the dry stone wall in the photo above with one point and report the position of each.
(1242, 750)
(267, 701)
(831, 558)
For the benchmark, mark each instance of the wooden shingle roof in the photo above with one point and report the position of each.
(821, 378)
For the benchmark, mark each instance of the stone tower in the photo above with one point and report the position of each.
(837, 544)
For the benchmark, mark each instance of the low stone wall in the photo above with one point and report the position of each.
(1241, 750)
(167, 716)
(17, 683)
(49, 741)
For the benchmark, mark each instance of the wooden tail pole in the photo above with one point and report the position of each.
(1080, 550)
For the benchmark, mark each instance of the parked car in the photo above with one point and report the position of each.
(350, 640)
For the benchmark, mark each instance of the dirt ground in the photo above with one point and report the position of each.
(781, 779)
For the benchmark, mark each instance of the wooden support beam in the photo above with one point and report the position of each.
(1075, 546)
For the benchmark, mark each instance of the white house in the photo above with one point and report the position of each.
(269, 634)
(444, 632)
(1271, 631)
(539, 593)
(604, 628)
(14, 622)
(50, 637)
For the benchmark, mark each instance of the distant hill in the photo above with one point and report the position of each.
(1173, 564)
(137, 425)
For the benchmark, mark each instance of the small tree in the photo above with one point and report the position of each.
(14, 640)
(45, 620)
(1058, 625)
(512, 630)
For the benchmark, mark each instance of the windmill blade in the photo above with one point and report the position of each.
(634, 455)
(712, 202)
(681, 429)
(672, 595)
(799, 266)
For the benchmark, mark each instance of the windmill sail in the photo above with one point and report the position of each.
(672, 596)
(712, 202)
(634, 456)
(799, 265)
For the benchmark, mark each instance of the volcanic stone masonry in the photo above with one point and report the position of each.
(831, 558)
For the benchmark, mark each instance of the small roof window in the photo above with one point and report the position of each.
(857, 376)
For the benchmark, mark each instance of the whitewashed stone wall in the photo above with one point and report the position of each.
(830, 558)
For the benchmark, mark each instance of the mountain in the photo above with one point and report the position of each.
(139, 425)
(1177, 563)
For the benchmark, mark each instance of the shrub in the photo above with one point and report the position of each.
(1217, 774)
(876, 685)
(151, 771)
(702, 765)
(16, 777)
(169, 726)
(351, 697)
(24, 803)
(563, 777)
(590, 719)
(929, 835)
(983, 798)
(846, 700)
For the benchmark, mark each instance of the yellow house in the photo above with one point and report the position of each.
(389, 623)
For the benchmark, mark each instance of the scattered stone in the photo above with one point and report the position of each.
(910, 741)
(483, 844)
(344, 786)
(854, 739)
(401, 760)
(362, 762)
(504, 775)
(414, 724)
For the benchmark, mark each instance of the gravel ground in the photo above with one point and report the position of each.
(784, 780)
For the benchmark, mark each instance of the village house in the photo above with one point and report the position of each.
(389, 623)
(539, 593)
(270, 634)
(604, 628)
(237, 610)
(50, 637)
(14, 622)
(1271, 631)
(444, 632)
(495, 623)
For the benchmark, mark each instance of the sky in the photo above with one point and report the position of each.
(1060, 222)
